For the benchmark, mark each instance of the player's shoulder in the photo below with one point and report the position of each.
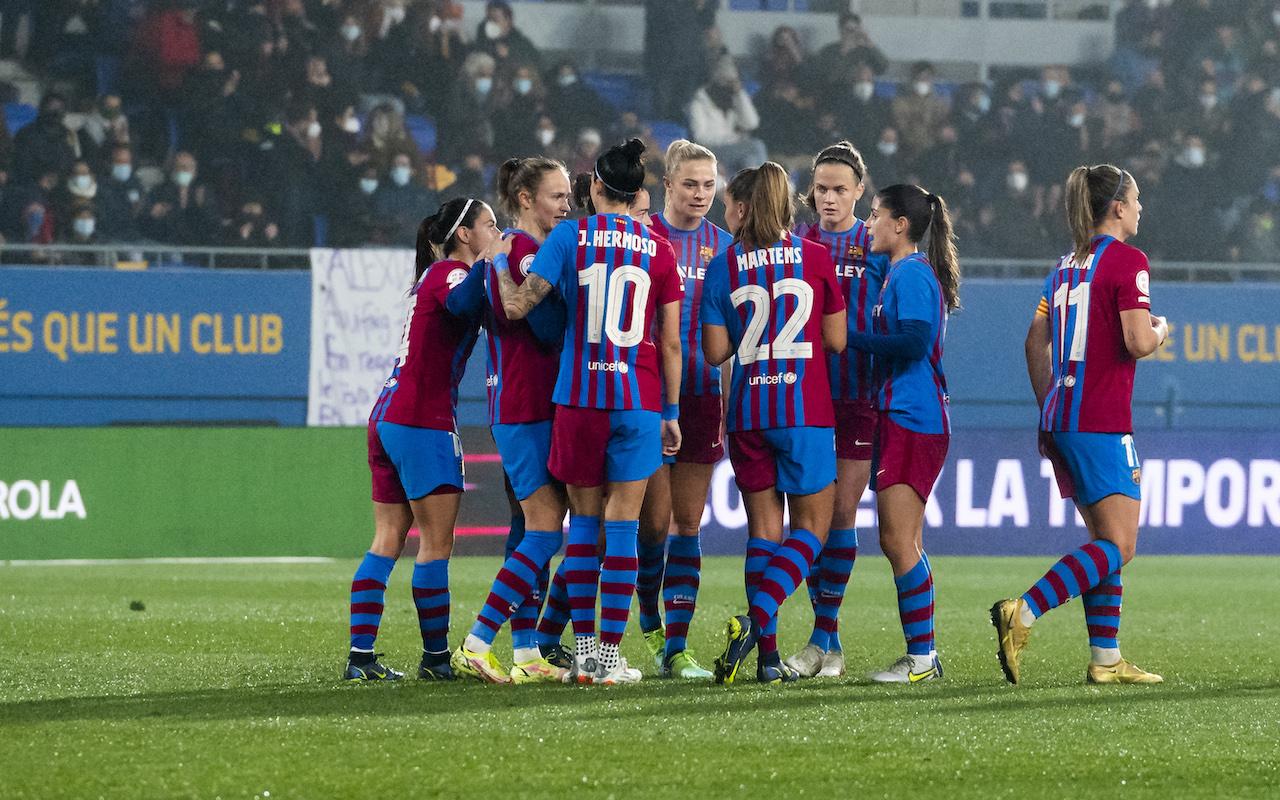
(1124, 256)
(812, 249)
(658, 226)
(809, 232)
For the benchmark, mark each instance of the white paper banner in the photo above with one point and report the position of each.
(358, 302)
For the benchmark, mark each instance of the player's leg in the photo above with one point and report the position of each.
(391, 523)
(632, 455)
(579, 439)
(435, 515)
(689, 485)
(1113, 519)
(901, 518)
(655, 521)
(836, 562)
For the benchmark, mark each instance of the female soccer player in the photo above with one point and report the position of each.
(415, 454)
(772, 299)
(838, 183)
(1093, 323)
(682, 487)
(913, 429)
(523, 356)
(612, 425)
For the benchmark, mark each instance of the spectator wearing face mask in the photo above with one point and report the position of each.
(918, 112)
(181, 210)
(423, 63)
(104, 127)
(400, 202)
(1191, 185)
(517, 115)
(1019, 207)
(27, 211)
(468, 119)
(82, 228)
(387, 136)
(978, 129)
(292, 171)
(353, 226)
(571, 103)
(46, 144)
(1118, 123)
(884, 160)
(836, 66)
(723, 118)
(498, 36)
(552, 141)
(119, 199)
(80, 188)
(860, 114)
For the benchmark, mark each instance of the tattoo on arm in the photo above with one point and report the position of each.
(517, 301)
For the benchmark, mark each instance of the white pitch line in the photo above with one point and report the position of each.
(93, 562)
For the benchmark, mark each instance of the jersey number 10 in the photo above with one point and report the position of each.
(606, 295)
(785, 346)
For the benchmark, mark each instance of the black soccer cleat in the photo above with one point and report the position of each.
(741, 640)
(365, 667)
(435, 667)
(557, 655)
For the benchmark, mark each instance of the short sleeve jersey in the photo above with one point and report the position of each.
(433, 353)
(613, 275)
(521, 370)
(1092, 383)
(772, 301)
(694, 250)
(860, 273)
(913, 392)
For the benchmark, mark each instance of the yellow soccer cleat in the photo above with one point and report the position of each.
(484, 668)
(655, 641)
(1120, 672)
(1011, 636)
(538, 671)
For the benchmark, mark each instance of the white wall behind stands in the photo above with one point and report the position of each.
(609, 37)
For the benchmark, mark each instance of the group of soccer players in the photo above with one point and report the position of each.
(624, 349)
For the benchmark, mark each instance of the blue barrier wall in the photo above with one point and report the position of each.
(95, 347)
(74, 351)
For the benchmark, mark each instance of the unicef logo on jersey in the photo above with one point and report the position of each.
(621, 367)
(773, 380)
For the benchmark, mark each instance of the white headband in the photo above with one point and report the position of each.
(461, 217)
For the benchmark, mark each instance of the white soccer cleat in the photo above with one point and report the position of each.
(910, 669)
(807, 662)
(586, 662)
(832, 665)
(619, 674)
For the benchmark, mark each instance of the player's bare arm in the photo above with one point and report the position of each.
(1143, 331)
(518, 301)
(1039, 368)
(715, 344)
(835, 331)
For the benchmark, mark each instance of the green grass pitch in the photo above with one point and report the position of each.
(226, 685)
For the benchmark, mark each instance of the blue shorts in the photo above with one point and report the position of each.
(792, 460)
(425, 459)
(524, 448)
(1091, 466)
(594, 446)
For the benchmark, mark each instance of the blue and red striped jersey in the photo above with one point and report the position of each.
(772, 301)
(1092, 383)
(694, 250)
(613, 274)
(521, 371)
(913, 392)
(860, 273)
(433, 353)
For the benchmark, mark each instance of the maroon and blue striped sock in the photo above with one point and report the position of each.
(680, 590)
(582, 573)
(915, 607)
(617, 578)
(1076, 573)
(835, 565)
(516, 581)
(652, 560)
(759, 551)
(524, 623)
(786, 570)
(1102, 612)
(555, 615)
(431, 597)
(368, 592)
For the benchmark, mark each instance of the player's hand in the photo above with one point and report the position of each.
(1161, 326)
(500, 245)
(670, 437)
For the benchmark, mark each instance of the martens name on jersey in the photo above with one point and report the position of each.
(766, 256)
(625, 240)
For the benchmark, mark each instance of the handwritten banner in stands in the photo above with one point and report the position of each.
(358, 301)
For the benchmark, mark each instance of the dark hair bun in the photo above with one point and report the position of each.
(621, 169)
(634, 148)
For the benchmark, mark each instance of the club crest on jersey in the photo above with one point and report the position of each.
(706, 253)
(1137, 476)
(525, 263)
(455, 277)
(855, 251)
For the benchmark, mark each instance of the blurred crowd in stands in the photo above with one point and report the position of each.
(291, 123)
